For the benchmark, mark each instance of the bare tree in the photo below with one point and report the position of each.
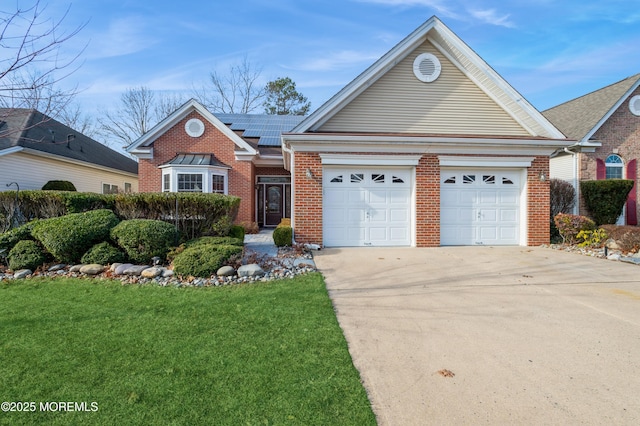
(237, 92)
(73, 117)
(140, 109)
(32, 63)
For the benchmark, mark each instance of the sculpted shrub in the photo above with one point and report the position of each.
(104, 254)
(283, 236)
(68, 237)
(26, 254)
(204, 256)
(143, 239)
(605, 198)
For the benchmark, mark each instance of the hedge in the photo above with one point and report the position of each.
(193, 214)
(59, 185)
(68, 237)
(104, 254)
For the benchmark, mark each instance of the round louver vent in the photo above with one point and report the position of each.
(634, 105)
(194, 127)
(426, 67)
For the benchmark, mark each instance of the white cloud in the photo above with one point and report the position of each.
(123, 37)
(490, 16)
(440, 7)
(335, 61)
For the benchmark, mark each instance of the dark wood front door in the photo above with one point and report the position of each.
(273, 204)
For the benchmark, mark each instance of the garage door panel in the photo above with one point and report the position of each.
(375, 205)
(480, 207)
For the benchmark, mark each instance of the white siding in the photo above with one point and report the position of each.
(562, 167)
(399, 103)
(32, 172)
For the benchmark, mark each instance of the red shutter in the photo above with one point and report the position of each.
(601, 170)
(632, 216)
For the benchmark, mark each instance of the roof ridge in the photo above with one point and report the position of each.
(635, 77)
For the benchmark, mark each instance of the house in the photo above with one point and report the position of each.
(606, 126)
(35, 149)
(193, 150)
(428, 146)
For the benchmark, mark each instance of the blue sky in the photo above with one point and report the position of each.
(548, 50)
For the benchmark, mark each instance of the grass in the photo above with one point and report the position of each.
(269, 353)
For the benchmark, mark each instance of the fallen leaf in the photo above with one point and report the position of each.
(446, 373)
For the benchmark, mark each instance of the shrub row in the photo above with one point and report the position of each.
(193, 214)
(96, 236)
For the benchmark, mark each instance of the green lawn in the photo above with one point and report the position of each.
(258, 354)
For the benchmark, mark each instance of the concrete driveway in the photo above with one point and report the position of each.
(531, 335)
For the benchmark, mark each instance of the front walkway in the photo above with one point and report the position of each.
(261, 243)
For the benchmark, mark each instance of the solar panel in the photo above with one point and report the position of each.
(266, 127)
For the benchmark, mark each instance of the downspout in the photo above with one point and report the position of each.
(289, 151)
(576, 181)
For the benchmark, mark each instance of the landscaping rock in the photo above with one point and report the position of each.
(167, 273)
(135, 269)
(119, 270)
(614, 256)
(152, 272)
(92, 269)
(226, 271)
(22, 273)
(304, 263)
(252, 270)
(114, 266)
(57, 267)
(76, 268)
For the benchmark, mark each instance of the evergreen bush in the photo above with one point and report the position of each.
(68, 237)
(203, 259)
(59, 185)
(283, 236)
(26, 254)
(104, 254)
(12, 236)
(143, 239)
(605, 198)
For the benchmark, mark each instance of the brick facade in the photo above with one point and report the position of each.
(620, 135)
(242, 176)
(308, 201)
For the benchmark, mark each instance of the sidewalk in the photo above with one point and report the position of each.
(261, 242)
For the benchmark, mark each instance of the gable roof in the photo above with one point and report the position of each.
(31, 130)
(464, 58)
(142, 146)
(580, 118)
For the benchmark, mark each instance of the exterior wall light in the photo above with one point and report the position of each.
(542, 176)
(309, 174)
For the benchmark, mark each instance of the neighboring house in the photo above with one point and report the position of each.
(606, 124)
(193, 150)
(35, 149)
(429, 146)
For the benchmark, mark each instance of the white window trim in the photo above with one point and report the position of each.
(206, 172)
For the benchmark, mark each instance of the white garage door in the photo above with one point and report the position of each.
(366, 207)
(480, 207)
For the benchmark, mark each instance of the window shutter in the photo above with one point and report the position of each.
(632, 216)
(601, 170)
